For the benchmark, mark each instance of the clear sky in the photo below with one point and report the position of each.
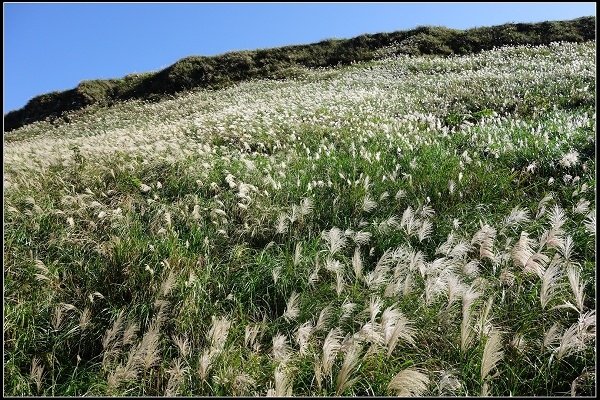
(50, 47)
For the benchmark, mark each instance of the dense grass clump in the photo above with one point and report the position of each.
(291, 61)
(412, 225)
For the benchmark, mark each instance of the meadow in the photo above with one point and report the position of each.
(412, 225)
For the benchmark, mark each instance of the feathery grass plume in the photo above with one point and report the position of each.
(347, 308)
(492, 353)
(292, 309)
(36, 373)
(282, 223)
(484, 325)
(541, 207)
(426, 211)
(331, 347)
(362, 238)
(425, 230)
(401, 329)
(569, 159)
(460, 250)
(183, 345)
(379, 276)
(85, 318)
(148, 350)
(357, 265)
(242, 383)
(339, 282)
(409, 382)
(454, 287)
(167, 285)
(471, 269)
(590, 223)
(566, 249)
(205, 363)
(335, 240)
(551, 336)
(446, 246)
(551, 238)
(176, 374)
(582, 207)
(303, 335)
(298, 254)
(524, 256)
(577, 287)
(408, 222)
(549, 279)
(217, 334)
(318, 368)
(351, 359)
(387, 225)
(306, 206)
(466, 331)
(518, 342)
(570, 342)
(281, 349)
(557, 218)
(484, 237)
(324, 318)
(516, 217)
(368, 204)
(109, 340)
(374, 307)
(121, 374)
(250, 333)
(283, 382)
(129, 333)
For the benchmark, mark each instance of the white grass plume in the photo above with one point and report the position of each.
(331, 347)
(409, 382)
(357, 265)
(577, 287)
(303, 335)
(516, 217)
(549, 280)
(292, 309)
(484, 238)
(281, 349)
(492, 353)
(466, 330)
(335, 240)
(324, 318)
(368, 204)
(351, 359)
(298, 254)
(425, 230)
(283, 382)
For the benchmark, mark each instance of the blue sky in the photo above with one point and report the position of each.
(50, 47)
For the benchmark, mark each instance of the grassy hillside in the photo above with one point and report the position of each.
(409, 225)
(285, 62)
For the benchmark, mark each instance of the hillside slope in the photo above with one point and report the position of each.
(409, 225)
(278, 63)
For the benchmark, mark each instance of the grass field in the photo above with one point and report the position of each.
(415, 225)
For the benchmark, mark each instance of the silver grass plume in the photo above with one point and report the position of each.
(551, 276)
(492, 353)
(331, 346)
(281, 349)
(335, 240)
(484, 237)
(303, 335)
(409, 383)
(351, 359)
(292, 309)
